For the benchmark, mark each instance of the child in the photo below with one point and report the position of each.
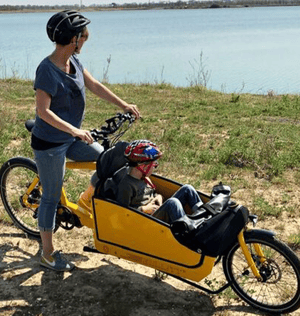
(136, 190)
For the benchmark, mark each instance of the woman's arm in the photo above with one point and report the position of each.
(103, 92)
(43, 101)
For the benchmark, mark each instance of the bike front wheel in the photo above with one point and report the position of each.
(16, 176)
(278, 291)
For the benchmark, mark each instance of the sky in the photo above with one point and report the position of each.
(63, 2)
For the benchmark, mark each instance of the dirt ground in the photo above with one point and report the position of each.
(103, 285)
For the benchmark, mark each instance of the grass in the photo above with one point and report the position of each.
(295, 239)
(206, 136)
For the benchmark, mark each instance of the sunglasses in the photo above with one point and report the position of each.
(155, 164)
(85, 36)
(152, 164)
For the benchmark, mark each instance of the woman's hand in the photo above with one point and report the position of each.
(132, 108)
(84, 135)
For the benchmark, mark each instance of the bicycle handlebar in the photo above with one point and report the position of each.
(113, 124)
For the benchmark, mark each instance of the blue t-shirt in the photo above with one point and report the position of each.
(67, 98)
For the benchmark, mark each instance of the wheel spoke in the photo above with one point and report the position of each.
(279, 289)
(16, 178)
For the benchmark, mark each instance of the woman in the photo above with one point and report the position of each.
(60, 103)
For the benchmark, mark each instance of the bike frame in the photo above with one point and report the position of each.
(138, 237)
(84, 216)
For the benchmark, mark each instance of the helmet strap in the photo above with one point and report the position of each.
(150, 183)
(145, 172)
(77, 40)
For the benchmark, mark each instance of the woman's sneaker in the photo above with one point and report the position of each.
(57, 262)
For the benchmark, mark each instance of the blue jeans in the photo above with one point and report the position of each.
(173, 208)
(51, 169)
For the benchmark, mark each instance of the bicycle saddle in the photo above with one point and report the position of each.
(29, 124)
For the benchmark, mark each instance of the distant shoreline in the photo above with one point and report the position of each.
(126, 7)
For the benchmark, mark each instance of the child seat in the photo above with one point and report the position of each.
(109, 163)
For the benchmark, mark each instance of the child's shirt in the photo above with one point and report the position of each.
(134, 192)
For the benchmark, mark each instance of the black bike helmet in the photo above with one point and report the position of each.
(63, 26)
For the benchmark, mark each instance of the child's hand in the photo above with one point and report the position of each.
(150, 208)
(158, 200)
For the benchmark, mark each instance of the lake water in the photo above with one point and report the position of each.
(243, 50)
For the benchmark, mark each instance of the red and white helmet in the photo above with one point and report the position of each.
(142, 151)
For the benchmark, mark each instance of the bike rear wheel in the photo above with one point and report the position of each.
(16, 175)
(279, 289)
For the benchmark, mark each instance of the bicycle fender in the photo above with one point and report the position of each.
(259, 233)
(16, 160)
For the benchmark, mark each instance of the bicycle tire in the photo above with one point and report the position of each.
(279, 291)
(15, 177)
